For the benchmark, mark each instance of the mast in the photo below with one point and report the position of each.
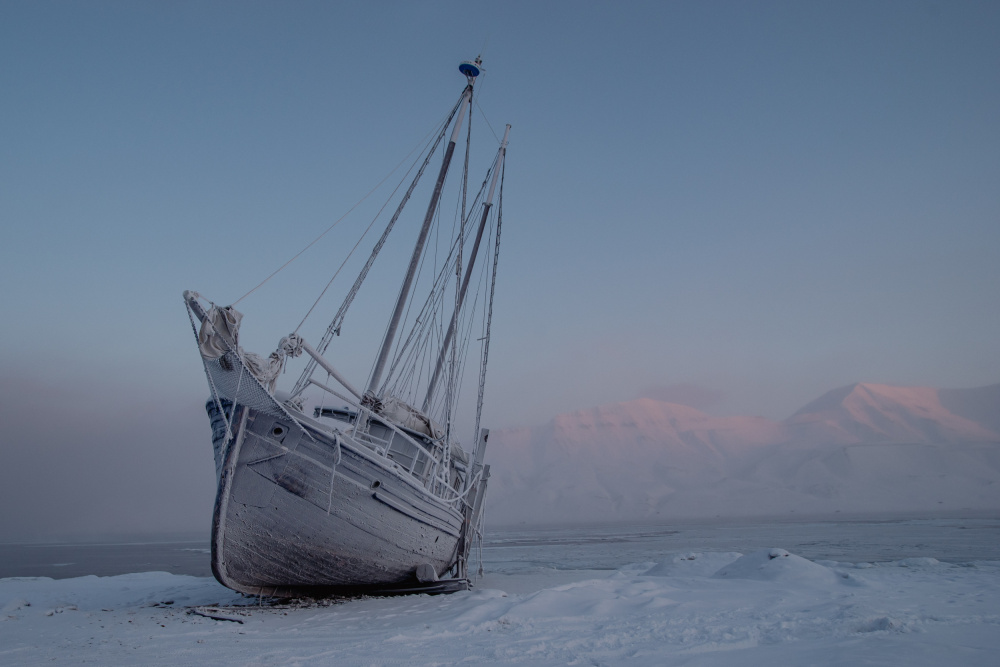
(471, 71)
(334, 328)
(487, 205)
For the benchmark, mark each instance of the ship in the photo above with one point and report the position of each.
(371, 491)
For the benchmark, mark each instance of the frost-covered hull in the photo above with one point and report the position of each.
(296, 513)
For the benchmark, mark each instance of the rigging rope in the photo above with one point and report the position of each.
(411, 300)
(334, 327)
(487, 121)
(351, 253)
(338, 221)
(422, 330)
(440, 284)
(489, 318)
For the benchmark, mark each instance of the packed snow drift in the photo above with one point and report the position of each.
(695, 608)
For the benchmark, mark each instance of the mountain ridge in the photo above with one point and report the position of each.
(861, 448)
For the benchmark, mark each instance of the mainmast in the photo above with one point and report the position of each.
(487, 205)
(471, 71)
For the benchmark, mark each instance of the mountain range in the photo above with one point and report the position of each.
(864, 449)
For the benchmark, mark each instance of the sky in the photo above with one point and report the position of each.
(737, 205)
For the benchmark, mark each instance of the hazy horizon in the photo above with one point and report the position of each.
(739, 206)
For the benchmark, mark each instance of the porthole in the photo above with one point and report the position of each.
(376, 484)
(277, 431)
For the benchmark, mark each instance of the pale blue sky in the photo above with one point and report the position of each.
(767, 200)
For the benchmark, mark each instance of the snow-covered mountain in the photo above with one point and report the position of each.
(876, 413)
(861, 449)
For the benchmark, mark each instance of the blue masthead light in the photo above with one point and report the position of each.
(471, 69)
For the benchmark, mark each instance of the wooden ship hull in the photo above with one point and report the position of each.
(303, 510)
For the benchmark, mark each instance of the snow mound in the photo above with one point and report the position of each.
(692, 565)
(776, 565)
(917, 562)
(882, 624)
(27, 595)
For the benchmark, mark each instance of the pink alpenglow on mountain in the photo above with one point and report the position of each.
(882, 413)
(861, 450)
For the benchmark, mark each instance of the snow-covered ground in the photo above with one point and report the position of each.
(709, 608)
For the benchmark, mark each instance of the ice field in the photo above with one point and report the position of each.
(569, 597)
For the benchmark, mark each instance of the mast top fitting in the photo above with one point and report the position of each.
(472, 68)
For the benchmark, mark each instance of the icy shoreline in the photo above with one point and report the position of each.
(589, 546)
(688, 608)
